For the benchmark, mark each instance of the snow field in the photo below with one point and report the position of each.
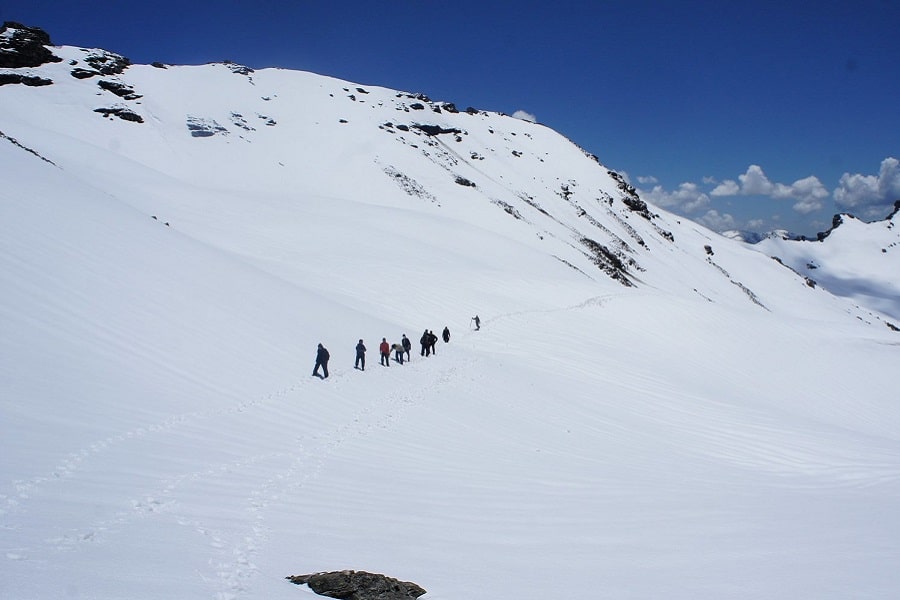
(162, 435)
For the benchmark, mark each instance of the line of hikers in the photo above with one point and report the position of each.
(401, 349)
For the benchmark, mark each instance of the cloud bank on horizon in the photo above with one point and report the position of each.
(869, 197)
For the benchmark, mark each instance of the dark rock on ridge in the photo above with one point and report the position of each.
(238, 69)
(836, 221)
(358, 585)
(108, 63)
(23, 46)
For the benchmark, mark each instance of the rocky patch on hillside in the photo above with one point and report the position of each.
(358, 585)
(607, 261)
(107, 63)
(435, 130)
(202, 127)
(23, 46)
(79, 73)
(750, 295)
(17, 144)
(29, 80)
(408, 184)
(126, 114)
(121, 90)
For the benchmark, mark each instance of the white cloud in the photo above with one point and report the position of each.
(717, 221)
(755, 183)
(726, 188)
(808, 192)
(687, 198)
(807, 205)
(525, 116)
(647, 180)
(874, 194)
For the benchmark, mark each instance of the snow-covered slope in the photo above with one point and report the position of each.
(854, 259)
(649, 410)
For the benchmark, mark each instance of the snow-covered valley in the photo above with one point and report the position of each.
(648, 410)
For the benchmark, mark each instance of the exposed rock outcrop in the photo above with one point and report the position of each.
(120, 111)
(23, 46)
(107, 63)
(836, 221)
(119, 89)
(358, 585)
(29, 80)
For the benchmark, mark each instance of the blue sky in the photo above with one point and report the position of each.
(738, 115)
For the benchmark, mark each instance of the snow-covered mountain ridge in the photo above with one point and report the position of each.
(649, 409)
(229, 128)
(853, 259)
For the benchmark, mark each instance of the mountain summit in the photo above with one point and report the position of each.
(648, 409)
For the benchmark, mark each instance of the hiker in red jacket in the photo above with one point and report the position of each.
(385, 350)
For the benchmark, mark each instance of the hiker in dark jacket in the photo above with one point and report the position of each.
(322, 357)
(407, 345)
(360, 356)
(426, 343)
(385, 350)
(446, 334)
(432, 340)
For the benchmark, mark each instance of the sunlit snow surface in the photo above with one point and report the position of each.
(857, 260)
(719, 430)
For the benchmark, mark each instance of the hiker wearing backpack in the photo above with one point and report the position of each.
(398, 352)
